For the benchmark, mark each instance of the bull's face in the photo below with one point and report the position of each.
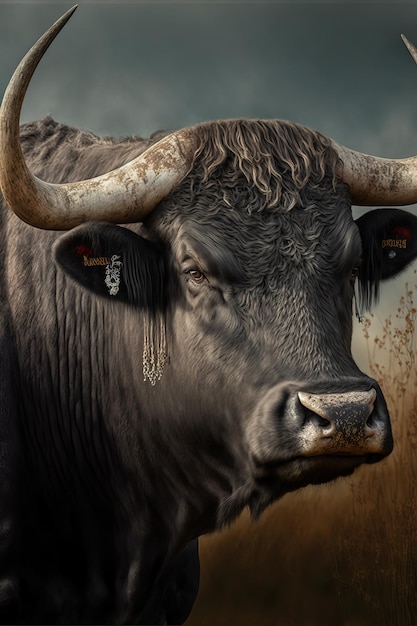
(266, 314)
(258, 311)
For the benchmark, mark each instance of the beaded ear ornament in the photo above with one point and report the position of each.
(154, 349)
(113, 273)
(154, 334)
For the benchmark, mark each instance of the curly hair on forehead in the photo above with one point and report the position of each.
(278, 160)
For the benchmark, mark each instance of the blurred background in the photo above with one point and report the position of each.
(344, 553)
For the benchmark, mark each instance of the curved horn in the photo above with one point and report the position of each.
(375, 180)
(124, 195)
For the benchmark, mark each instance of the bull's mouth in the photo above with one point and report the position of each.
(273, 480)
(300, 471)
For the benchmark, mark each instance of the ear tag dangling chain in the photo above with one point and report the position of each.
(154, 349)
(154, 333)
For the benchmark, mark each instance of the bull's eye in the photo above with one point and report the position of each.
(196, 276)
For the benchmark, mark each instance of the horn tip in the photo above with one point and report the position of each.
(410, 46)
(69, 13)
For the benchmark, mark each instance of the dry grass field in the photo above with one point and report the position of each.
(343, 554)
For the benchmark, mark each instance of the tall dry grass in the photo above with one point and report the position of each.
(343, 554)
(386, 536)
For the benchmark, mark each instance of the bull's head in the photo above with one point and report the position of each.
(309, 413)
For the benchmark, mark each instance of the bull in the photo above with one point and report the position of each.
(157, 378)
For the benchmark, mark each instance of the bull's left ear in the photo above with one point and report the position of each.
(113, 262)
(389, 245)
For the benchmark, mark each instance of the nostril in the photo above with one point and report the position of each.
(310, 417)
(373, 423)
(315, 411)
(370, 422)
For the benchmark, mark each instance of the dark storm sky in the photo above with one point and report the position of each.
(135, 67)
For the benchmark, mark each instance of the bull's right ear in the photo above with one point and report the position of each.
(113, 262)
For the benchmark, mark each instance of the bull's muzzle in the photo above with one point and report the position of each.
(342, 423)
(290, 424)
